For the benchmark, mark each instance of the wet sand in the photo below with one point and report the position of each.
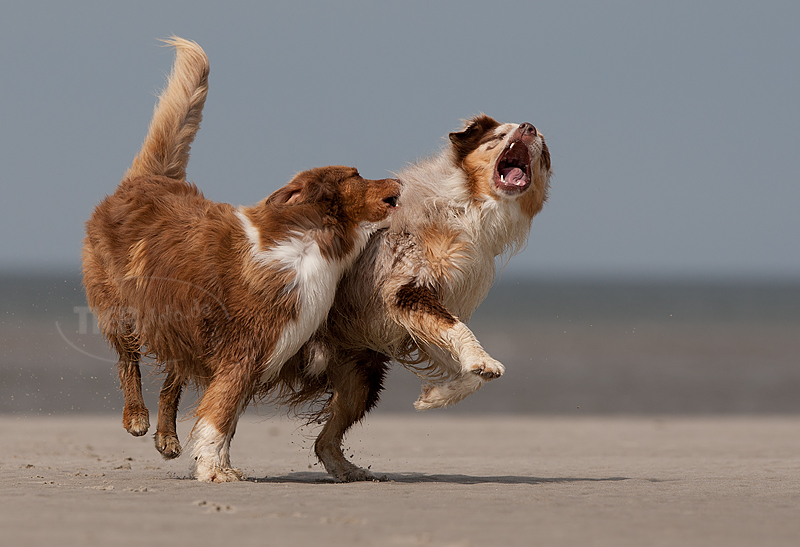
(452, 480)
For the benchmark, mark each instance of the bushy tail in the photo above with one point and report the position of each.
(177, 115)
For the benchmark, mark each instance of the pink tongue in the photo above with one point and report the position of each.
(514, 176)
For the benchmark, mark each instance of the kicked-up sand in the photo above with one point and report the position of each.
(451, 480)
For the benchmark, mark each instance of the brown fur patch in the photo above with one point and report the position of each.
(423, 300)
(443, 250)
(533, 200)
(471, 137)
(479, 168)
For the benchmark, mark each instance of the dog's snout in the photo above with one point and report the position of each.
(393, 187)
(528, 129)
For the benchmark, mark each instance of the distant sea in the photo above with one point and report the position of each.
(570, 347)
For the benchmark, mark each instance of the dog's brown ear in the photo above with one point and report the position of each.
(293, 196)
(312, 186)
(284, 196)
(468, 139)
(287, 195)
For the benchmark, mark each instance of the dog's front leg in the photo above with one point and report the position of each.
(419, 310)
(475, 368)
(218, 412)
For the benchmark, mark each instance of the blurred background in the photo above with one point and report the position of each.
(663, 275)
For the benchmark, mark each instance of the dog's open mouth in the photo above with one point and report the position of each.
(512, 174)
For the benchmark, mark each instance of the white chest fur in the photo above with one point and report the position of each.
(315, 281)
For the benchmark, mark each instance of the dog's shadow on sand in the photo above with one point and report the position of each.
(308, 477)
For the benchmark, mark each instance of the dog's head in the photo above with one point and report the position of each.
(341, 194)
(503, 161)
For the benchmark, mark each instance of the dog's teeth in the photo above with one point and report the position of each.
(512, 145)
(502, 179)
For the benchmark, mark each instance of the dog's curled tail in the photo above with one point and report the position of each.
(177, 115)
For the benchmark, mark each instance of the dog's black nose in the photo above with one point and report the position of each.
(528, 129)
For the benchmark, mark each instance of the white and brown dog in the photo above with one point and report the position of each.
(218, 295)
(409, 293)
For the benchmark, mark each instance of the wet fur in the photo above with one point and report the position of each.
(218, 295)
(408, 294)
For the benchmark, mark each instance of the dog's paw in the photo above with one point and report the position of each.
(228, 474)
(448, 393)
(168, 445)
(429, 398)
(358, 474)
(136, 422)
(208, 472)
(487, 368)
(439, 396)
(221, 474)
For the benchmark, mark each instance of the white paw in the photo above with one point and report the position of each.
(209, 472)
(449, 393)
(485, 367)
(429, 398)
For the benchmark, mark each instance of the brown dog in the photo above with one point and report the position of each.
(410, 291)
(219, 295)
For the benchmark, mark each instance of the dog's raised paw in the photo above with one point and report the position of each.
(489, 369)
(428, 399)
(442, 395)
(137, 423)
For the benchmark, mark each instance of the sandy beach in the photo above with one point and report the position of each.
(452, 480)
(649, 415)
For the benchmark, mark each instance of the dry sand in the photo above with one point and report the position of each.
(499, 480)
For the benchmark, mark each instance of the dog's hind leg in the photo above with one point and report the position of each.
(116, 323)
(135, 416)
(166, 437)
(356, 383)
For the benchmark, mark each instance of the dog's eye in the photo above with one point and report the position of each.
(493, 141)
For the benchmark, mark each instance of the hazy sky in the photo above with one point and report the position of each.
(674, 127)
